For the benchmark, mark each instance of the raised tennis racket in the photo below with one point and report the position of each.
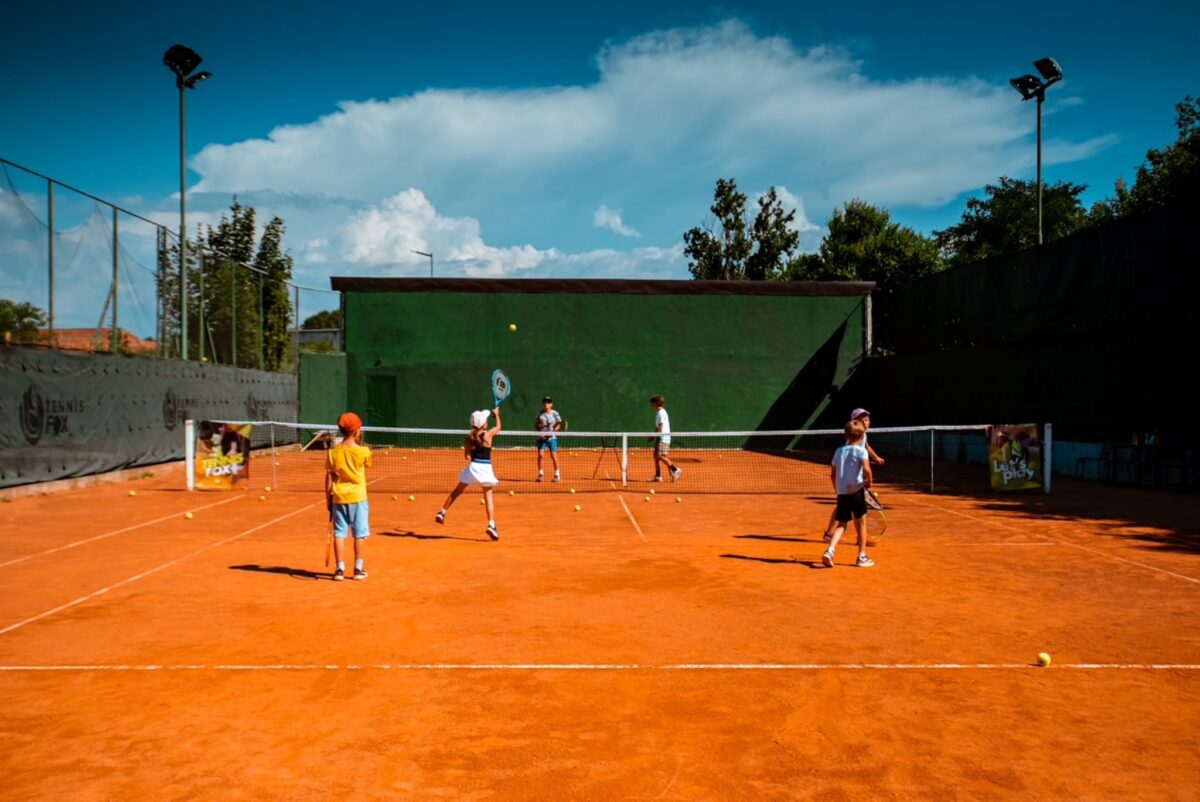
(501, 386)
(876, 520)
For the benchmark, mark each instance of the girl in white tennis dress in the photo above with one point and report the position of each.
(478, 450)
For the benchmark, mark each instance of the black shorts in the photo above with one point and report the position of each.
(852, 505)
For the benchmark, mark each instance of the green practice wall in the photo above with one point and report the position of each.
(322, 387)
(724, 362)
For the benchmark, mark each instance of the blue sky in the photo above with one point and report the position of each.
(552, 139)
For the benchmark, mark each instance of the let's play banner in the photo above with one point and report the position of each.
(1015, 457)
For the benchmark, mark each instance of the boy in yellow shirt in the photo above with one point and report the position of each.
(346, 493)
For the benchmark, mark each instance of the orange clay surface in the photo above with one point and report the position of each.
(674, 651)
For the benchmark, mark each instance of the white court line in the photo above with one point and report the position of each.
(154, 570)
(1098, 553)
(999, 545)
(480, 667)
(116, 532)
(631, 518)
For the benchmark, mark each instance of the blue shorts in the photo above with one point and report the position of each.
(549, 442)
(351, 516)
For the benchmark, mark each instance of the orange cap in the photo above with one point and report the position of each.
(349, 423)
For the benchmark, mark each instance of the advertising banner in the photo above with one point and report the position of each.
(1015, 457)
(222, 456)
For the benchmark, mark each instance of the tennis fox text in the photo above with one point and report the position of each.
(224, 466)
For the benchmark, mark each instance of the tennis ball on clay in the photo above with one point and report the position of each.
(512, 492)
(512, 326)
(262, 498)
(267, 488)
(1043, 659)
(572, 490)
(187, 515)
(647, 498)
(133, 492)
(394, 498)
(652, 491)
(678, 500)
(412, 498)
(578, 508)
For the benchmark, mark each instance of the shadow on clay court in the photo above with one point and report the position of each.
(780, 538)
(773, 560)
(420, 536)
(294, 573)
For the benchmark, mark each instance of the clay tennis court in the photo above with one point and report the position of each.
(630, 650)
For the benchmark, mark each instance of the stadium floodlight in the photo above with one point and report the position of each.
(1033, 88)
(430, 255)
(183, 61)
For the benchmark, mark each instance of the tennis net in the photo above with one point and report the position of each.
(946, 459)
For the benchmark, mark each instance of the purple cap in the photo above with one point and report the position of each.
(858, 413)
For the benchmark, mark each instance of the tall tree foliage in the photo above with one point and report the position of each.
(731, 247)
(244, 311)
(20, 321)
(1005, 220)
(864, 244)
(1166, 176)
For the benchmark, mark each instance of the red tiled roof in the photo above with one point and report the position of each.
(94, 340)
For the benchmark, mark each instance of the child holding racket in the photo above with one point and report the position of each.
(478, 450)
(864, 417)
(662, 443)
(547, 423)
(346, 494)
(851, 476)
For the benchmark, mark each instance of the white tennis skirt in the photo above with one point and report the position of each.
(478, 473)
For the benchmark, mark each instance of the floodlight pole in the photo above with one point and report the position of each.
(183, 326)
(1041, 96)
(430, 255)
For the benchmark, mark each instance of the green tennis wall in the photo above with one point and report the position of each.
(322, 387)
(727, 355)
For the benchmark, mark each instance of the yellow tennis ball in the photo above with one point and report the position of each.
(578, 508)
(512, 492)
(412, 498)
(483, 501)
(647, 498)
(394, 498)
(512, 326)
(267, 488)
(678, 500)
(572, 490)
(187, 515)
(1043, 659)
(133, 492)
(262, 498)
(652, 491)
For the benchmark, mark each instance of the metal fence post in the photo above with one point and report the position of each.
(50, 253)
(116, 331)
(233, 312)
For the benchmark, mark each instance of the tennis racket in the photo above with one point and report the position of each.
(876, 520)
(501, 386)
(328, 538)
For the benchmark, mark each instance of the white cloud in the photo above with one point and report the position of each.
(668, 113)
(610, 219)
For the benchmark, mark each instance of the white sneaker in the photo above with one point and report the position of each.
(675, 474)
(541, 476)
(359, 574)
(656, 479)
(557, 478)
(492, 533)
(864, 561)
(440, 518)
(827, 558)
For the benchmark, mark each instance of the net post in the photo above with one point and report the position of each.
(624, 459)
(1047, 458)
(274, 459)
(189, 452)
(932, 435)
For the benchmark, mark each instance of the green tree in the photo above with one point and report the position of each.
(730, 247)
(1166, 175)
(329, 319)
(20, 320)
(1005, 221)
(276, 266)
(231, 290)
(863, 244)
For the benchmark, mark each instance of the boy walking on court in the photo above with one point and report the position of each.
(851, 475)
(662, 443)
(346, 494)
(862, 416)
(549, 422)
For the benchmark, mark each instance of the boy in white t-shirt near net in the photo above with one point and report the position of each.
(662, 443)
(864, 417)
(548, 422)
(851, 475)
